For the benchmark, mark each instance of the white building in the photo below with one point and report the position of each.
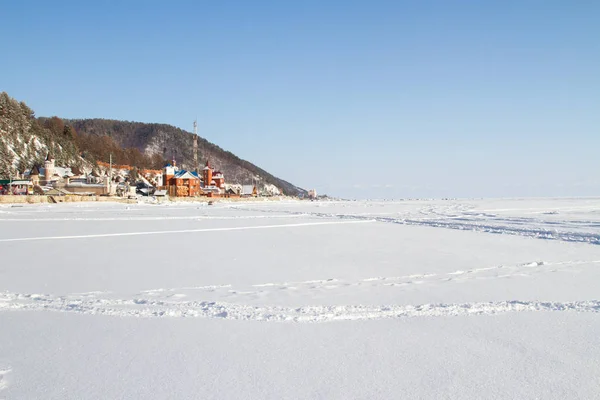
(249, 190)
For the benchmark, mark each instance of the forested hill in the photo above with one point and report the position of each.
(168, 141)
(25, 140)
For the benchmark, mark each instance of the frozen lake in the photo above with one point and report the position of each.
(458, 299)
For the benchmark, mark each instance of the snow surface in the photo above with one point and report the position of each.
(458, 299)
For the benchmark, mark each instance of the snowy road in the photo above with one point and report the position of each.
(410, 299)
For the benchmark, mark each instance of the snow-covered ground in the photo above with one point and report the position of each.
(458, 299)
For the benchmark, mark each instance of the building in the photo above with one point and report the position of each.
(249, 191)
(212, 179)
(179, 182)
(87, 189)
(51, 173)
(213, 182)
(94, 177)
(187, 183)
(48, 167)
(207, 173)
(219, 180)
(34, 175)
(21, 187)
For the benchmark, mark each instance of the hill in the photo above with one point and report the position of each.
(166, 141)
(25, 140)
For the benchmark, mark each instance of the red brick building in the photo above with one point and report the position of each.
(212, 180)
(179, 182)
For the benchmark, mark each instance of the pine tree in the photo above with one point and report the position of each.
(6, 160)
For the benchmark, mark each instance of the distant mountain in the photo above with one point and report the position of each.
(168, 141)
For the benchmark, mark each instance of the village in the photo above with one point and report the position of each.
(124, 181)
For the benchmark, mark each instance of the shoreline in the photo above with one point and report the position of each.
(44, 199)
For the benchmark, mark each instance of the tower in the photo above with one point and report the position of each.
(48, 167)
(207, 174)
(196, 146)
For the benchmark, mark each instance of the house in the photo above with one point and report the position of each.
(219, 180)
(249, 191)
(87, 189)
(179, 182)
(187, 183)
(211, 191)
(94, 177)
(21, 187)
(212, 179)
(34, 175)
(269, 190)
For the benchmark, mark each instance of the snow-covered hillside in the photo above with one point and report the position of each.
(325, 300)
(24, 142)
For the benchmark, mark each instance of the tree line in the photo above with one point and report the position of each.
(93, 148)
(25, 141)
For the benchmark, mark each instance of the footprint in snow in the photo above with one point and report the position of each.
(3, 382)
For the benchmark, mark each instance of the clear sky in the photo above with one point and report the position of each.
(363, 99)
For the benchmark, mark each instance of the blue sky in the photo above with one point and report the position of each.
(361, 99)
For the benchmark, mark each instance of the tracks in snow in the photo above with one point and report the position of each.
(3, 374)
(310, 314)
(452, 216)
(172, 302)
(338, 285)
(500, 271)
(461, 217)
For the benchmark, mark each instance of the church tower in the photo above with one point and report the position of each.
(48, 167)
(207, 173)
(169, 171)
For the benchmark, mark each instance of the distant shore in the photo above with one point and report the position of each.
(41, 199)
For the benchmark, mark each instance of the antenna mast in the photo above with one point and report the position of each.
(196, 146)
